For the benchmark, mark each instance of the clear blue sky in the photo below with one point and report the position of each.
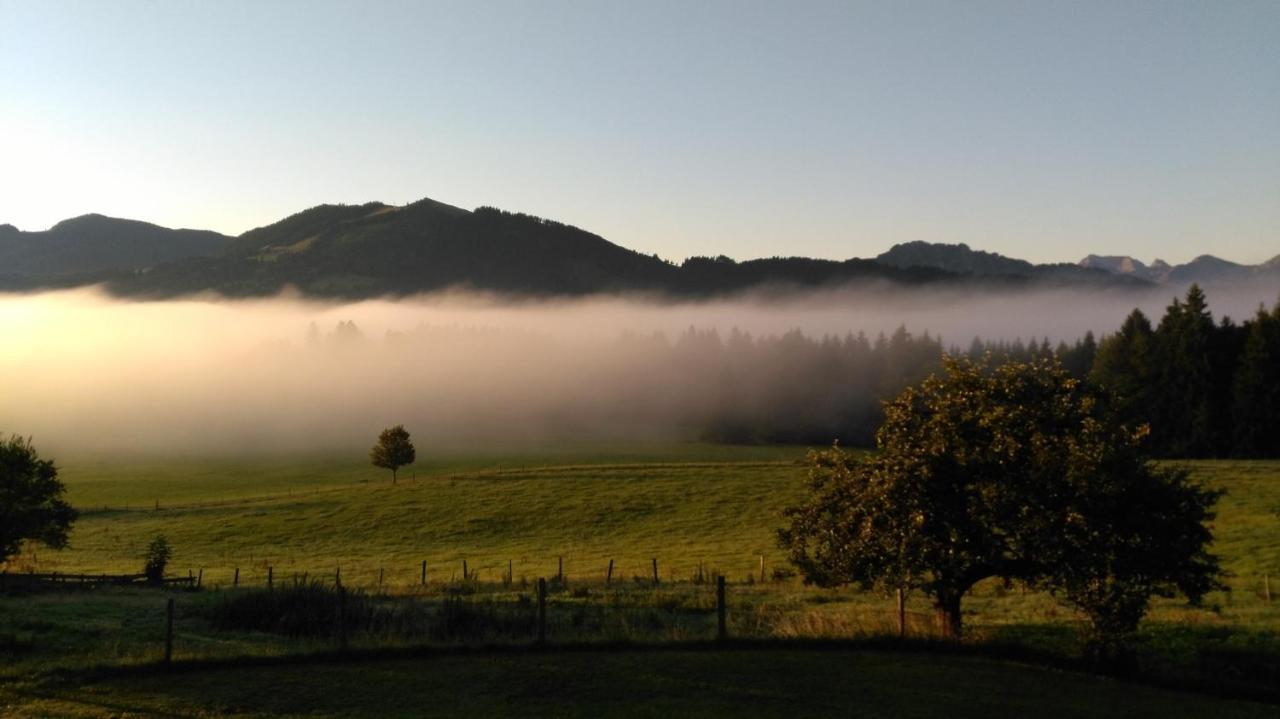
(1042, 130)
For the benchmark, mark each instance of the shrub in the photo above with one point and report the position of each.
(312, 610)
(157, 558)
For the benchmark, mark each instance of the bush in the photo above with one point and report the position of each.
(298, 610)
(157, 558)
(459, 620)
(312, 609)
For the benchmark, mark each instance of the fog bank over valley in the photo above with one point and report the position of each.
(83, 372)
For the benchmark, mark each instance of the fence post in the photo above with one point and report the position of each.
(608, 577)
(655, 570)
(270, 572)
(722, 634)
(200, 578)
(542, 611)
(337, 577)
(168, 632)
(380, 571)
(510, 572)
(424, 572)
(762, 569)
(236, 582)
(342, 619)
(902, 613)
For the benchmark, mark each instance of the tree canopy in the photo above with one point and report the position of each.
(31, 503)
(393, 450)
(1015, 471)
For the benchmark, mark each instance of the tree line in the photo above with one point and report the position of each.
(1206, 388)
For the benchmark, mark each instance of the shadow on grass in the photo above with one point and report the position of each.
(1222, 687)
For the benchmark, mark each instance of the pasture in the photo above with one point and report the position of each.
(699, 510)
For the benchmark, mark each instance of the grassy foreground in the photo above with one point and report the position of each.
(698, 509)
(781, 683)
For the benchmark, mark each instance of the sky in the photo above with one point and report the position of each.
(1042, 130)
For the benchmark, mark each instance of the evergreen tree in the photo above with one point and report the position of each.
(1255, 415)
(1183, 417)
(1123, 366)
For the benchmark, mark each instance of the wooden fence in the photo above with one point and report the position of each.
(33, 581)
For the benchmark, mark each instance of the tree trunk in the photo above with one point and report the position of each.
(948, 608)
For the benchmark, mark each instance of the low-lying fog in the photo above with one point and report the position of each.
(82, 372)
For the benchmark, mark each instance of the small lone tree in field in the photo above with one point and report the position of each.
(393, 450)
(157, 559)
(1015, 472)
(31, 503)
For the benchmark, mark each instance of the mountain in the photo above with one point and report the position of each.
(962, 260)
(376, 249)
(1204, 270)
(953, 258)
(95, 244)
(355, 251)
(1158, 271)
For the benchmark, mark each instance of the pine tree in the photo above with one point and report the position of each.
(1182, 418)
(1255, 416)
(1123, 366)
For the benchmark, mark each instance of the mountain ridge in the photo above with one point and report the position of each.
(1203, 269)
(374, 248)
(94, 243)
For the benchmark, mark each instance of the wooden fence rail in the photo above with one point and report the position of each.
(29, 581)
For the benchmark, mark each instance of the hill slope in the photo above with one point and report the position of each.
(95, 243)
(374, 249)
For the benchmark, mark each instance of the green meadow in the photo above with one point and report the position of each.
(700, 510)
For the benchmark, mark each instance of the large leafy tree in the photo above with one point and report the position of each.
(1014, 471)
(31, 503)
(393, 450)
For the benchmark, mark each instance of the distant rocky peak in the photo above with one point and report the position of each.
(1119, 264)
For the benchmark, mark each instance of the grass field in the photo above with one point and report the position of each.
(681, 504)
(696, 508)
(623, 683)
